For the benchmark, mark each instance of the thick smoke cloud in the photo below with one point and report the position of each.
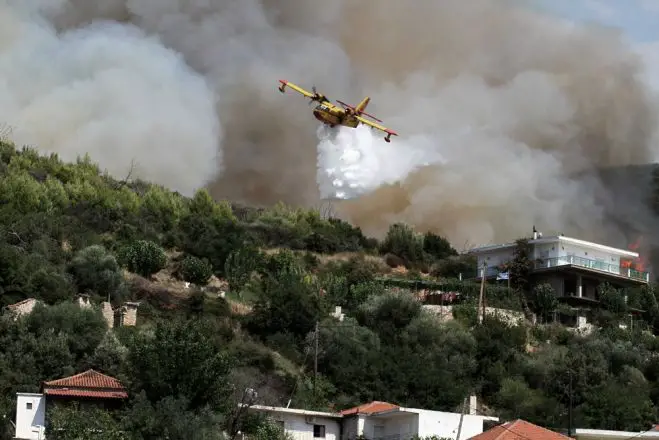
(508, 112)
(109, 90)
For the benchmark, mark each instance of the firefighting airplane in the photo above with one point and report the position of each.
(332, 115)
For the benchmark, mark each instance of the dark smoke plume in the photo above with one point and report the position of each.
(522, 108)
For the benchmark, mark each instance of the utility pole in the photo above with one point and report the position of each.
(462, 416)
(315, 362)
(569, 408)
(481, 299)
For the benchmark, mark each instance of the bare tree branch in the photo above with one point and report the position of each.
(126, 179)
(326, 210)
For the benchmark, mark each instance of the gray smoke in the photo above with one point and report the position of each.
(508, 111)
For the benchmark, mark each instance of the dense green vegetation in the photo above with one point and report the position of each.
(68, 228)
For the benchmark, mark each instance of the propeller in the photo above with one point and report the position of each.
(316, 96)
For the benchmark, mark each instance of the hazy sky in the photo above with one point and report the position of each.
(638, 18)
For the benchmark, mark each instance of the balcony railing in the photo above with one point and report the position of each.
(594, 265)
(581, 262)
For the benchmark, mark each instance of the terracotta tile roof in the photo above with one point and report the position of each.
(370, 408)
(91, 383)
(519, 430)
(86, 393)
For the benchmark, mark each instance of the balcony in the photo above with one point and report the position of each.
(593, 265)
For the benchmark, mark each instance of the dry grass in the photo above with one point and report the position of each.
(165, 290)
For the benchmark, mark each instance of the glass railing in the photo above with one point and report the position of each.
(594, 265)
(581, 262)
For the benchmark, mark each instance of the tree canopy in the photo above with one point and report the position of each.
(230, 297)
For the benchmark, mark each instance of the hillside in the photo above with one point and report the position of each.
(67, 229)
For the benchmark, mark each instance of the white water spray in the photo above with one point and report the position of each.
(353, 162)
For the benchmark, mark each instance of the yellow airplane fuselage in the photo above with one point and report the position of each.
(332, 115)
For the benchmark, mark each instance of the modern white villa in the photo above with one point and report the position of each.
(573, 267)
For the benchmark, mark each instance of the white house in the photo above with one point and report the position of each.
(602, 434)
(90, 386)
(376, 421)
(561, 251)
(303, 424)
(30, 416)
(574, 268)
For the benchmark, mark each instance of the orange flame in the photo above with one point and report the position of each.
(639, 264)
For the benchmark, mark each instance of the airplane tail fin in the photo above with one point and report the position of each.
(362, 105)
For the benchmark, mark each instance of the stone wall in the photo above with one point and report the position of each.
(108, 313)
(445, 313)
(24, 307)
(130, 314)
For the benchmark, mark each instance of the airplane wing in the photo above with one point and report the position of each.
(376, 126)
(298, 89)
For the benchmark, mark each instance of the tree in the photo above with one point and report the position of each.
(544, 298)
(51, 285)
(285, 303)
(519, 271)
(612, 300)
(240, 265)
(448, 355)
(171, 418)
(181, 360)
(402, 241)
(608, 407)
(95, 270)
(143, 257)
(195, 270)
(453, 267)
(437, 247)
(83, 329)
(269, 430)
(389, 313)
(351, 356)
(76, 423)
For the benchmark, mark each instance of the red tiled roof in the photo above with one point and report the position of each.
(91, 383)
(370, 408)
(86, 393)
(519, 430)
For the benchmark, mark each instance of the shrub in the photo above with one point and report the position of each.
(195, 270)
(96, 270)
(402, 241)
(143, 257)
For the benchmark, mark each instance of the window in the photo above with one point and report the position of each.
(318, 431)
(28, 405)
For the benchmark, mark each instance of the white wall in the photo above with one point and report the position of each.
(611, 262)
(494, 258)
(296, 425)
(445, 424)
(402, 425)
(352, 426)
(546, 250)
(30, 421)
